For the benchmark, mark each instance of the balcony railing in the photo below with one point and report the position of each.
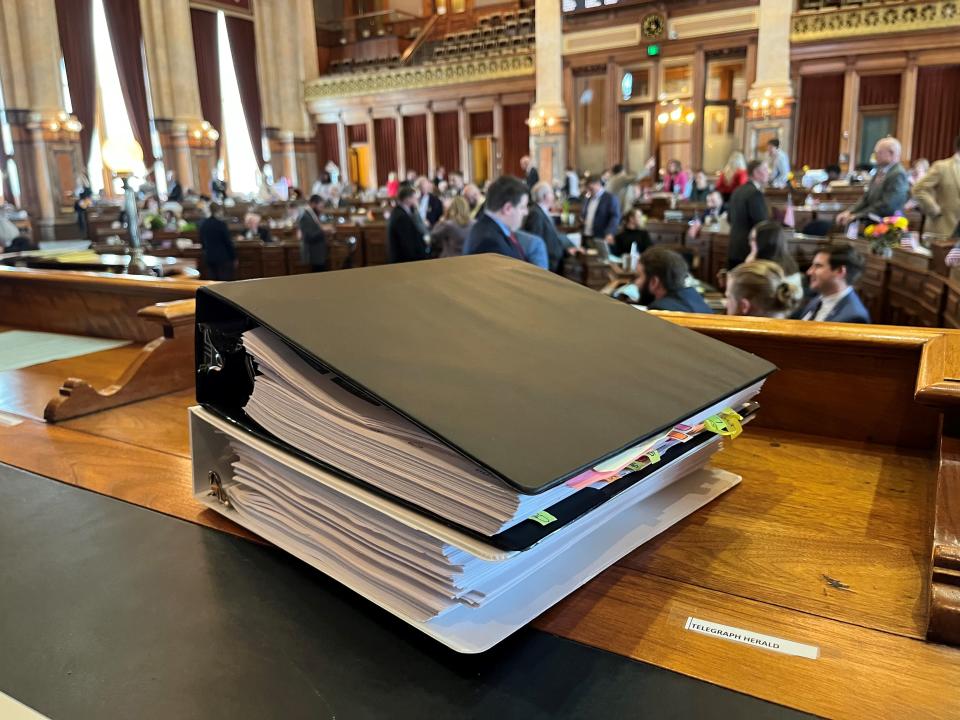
(874, 19)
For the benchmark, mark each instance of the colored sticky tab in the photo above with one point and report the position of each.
(732, 420)
(674, 435)
(654, 457)
(715, 424)
(543, 517)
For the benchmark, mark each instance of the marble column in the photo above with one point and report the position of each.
(431, 143)
(773, 51)
(285, 62)
(175, 94)
(401, 146)
(548, 115)
(771, 95)
(45, 138)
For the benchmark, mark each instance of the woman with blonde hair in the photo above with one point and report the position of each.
(761, 289)
(451, 232)
(733, 175)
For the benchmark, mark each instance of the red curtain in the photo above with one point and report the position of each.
(126, 35)
(75, 25)
(937, 121)
(243, 49)
(328, 145)
(516, 137)
(415, 143)
(879, 90)
(481, 123)
(206, 49)
(818, 124)
(385, 145)
(356, 134)
(446, 137)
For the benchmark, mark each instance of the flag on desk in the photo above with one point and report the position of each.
(788, 218)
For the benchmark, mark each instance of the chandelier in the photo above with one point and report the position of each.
(675, 112)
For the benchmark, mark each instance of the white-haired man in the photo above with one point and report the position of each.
(889, 189)
(539, 222)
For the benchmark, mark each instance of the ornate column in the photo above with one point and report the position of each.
(850, 116)
(187, 144)
(497, 137)
(45, 138)
(908, 106)
(287, 50)
(771, 95)
(548, 116)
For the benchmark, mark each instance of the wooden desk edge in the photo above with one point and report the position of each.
(937, 385)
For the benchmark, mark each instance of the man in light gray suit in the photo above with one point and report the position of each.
(889, 188)
(313, 240)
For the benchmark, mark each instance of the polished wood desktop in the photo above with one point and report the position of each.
(840, 535)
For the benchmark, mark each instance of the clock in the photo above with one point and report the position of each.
(653, 25)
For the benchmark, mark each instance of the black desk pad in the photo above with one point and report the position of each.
(108, 610)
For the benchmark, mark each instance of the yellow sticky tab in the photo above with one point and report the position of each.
(543, 517)
(732, 420)
(715, 424)
(654, 457)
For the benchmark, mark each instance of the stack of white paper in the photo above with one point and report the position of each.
(316, 413)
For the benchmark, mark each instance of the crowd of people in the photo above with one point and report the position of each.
(444, 216)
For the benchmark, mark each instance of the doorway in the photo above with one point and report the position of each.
(481, 152)
(360, 166)
(874, 125)
(636, 140)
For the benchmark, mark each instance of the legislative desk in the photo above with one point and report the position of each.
(842, 535)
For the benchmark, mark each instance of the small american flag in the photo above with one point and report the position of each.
(953, 257)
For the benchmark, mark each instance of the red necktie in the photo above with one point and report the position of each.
(517, 247)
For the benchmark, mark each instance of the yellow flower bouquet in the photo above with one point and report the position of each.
(886, 234)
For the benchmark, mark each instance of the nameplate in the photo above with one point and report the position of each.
(757, 640)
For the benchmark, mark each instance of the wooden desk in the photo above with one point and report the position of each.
(842, 472)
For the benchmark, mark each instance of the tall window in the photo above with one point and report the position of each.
(8, 170)
(113, 122)
(241, 165)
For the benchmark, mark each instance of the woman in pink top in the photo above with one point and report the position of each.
(675, 180)
(393, 185)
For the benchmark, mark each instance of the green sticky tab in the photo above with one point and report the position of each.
(715, 424)
(654, 457)
(543, 517)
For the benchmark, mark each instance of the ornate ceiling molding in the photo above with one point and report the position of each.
(420, 76)
(876, 20)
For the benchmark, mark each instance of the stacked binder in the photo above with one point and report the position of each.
(463, 441)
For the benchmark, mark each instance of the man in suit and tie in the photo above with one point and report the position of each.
(431, 207)
(938, 195)
(601, 213)
(889, 189)
(496, 227)
(832, 274)
(530, 173)
(540, 223)
(219, 252)
(313, 240)
(746, 208)
(405, 231)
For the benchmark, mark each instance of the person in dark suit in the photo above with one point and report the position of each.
(889, 189)
(662, 275)
(496, 227)
(405, 230)
(219, 253)
(832, 274)
(601, 213)
(313, 239)
(540, 223)
(746, 208)
(174, 189)
(431, 207)
(530, 174)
